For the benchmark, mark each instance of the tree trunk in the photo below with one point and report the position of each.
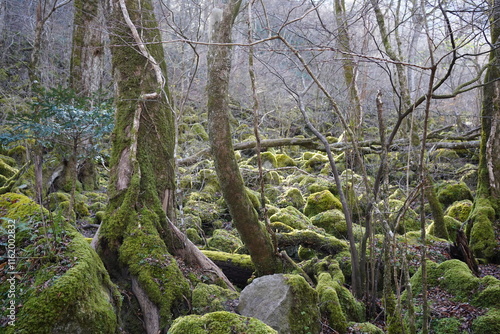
(481, 230)
(137, 236)
(87, 67)
(253, 233)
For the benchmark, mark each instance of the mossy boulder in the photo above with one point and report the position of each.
(452, 226)
(446, 326)
(408, 222)
(285, 302)
(219, 323)
(74, 294)
(332, 221)
(450, 192)
(460, 210)
(207, 298)
(208, 212)
(283, 160)
(453, 276)
(292, 197)
(224, 241)
(330, 303)
(314, 163)
(194, 236)
(268, 160)
(20, 207)
(489, 323)
(365, 328)
(489, 296)
(292, 217)
(482, 238)
(199, 131)
(320, 202)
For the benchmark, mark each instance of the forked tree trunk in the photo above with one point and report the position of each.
(253, 233)
(137, 237)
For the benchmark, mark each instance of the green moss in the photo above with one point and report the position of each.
(305, 253)
(292, 197)
(452, 191)
(208, 298)
(219, 323)
(268, 160)
(254, 197)
(489, 323)
(292, 217)
(273, 177)
(81, 210)
(452, 226)
(365, 328)
(490, 295)
(303, 319)
(99, 216)
(199, 131)
(333, 221)
(194, 236)
(208, 212)
(410, 220)
(460, 210)
(223, 240)
(446, 326)
(157, 272)
(280, 227)
(6, 170)
(20, 207)
(82, 300)
(18, 153)
(315, 163)
(239, 260)
(283, 160)
(321, 201)
(482, 234)
(330, 304)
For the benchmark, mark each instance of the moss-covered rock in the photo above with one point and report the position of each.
(199, 131)
(321, 201)
(20, 207)
(208, 212)
(225, 241)
(268, 160)
(333, 221)
(315, 163)
(283, 160)
(489, 323)
(219, 323)
(194, 236)
(80, 300)
(208, 298)
(446, 326)
(292, 217)
(450, 192)
(452, 226)
(489, 296)
(99, 216)
(460, 210)
(330, 304)
(408, 222)
(81, 209)
(365, 328)
(482, 234)
(291, 197)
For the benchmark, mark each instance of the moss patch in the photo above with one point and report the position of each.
(219, 323)
(224, 241)
(330, 304)
(453, 191)
(321, 201)
(208, 298)
(82, 300)
(333, 221)
(292, 217)
(303, 319)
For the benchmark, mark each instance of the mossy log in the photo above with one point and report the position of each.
(11, 181)
(238, 268)
(321, 243)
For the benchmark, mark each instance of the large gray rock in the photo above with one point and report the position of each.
(285, 302)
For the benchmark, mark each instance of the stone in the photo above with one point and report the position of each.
(284, 302)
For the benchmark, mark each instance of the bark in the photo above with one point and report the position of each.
(87, 67)
(481, 229)
(440, 230)
(138, 238)
(253, 233)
